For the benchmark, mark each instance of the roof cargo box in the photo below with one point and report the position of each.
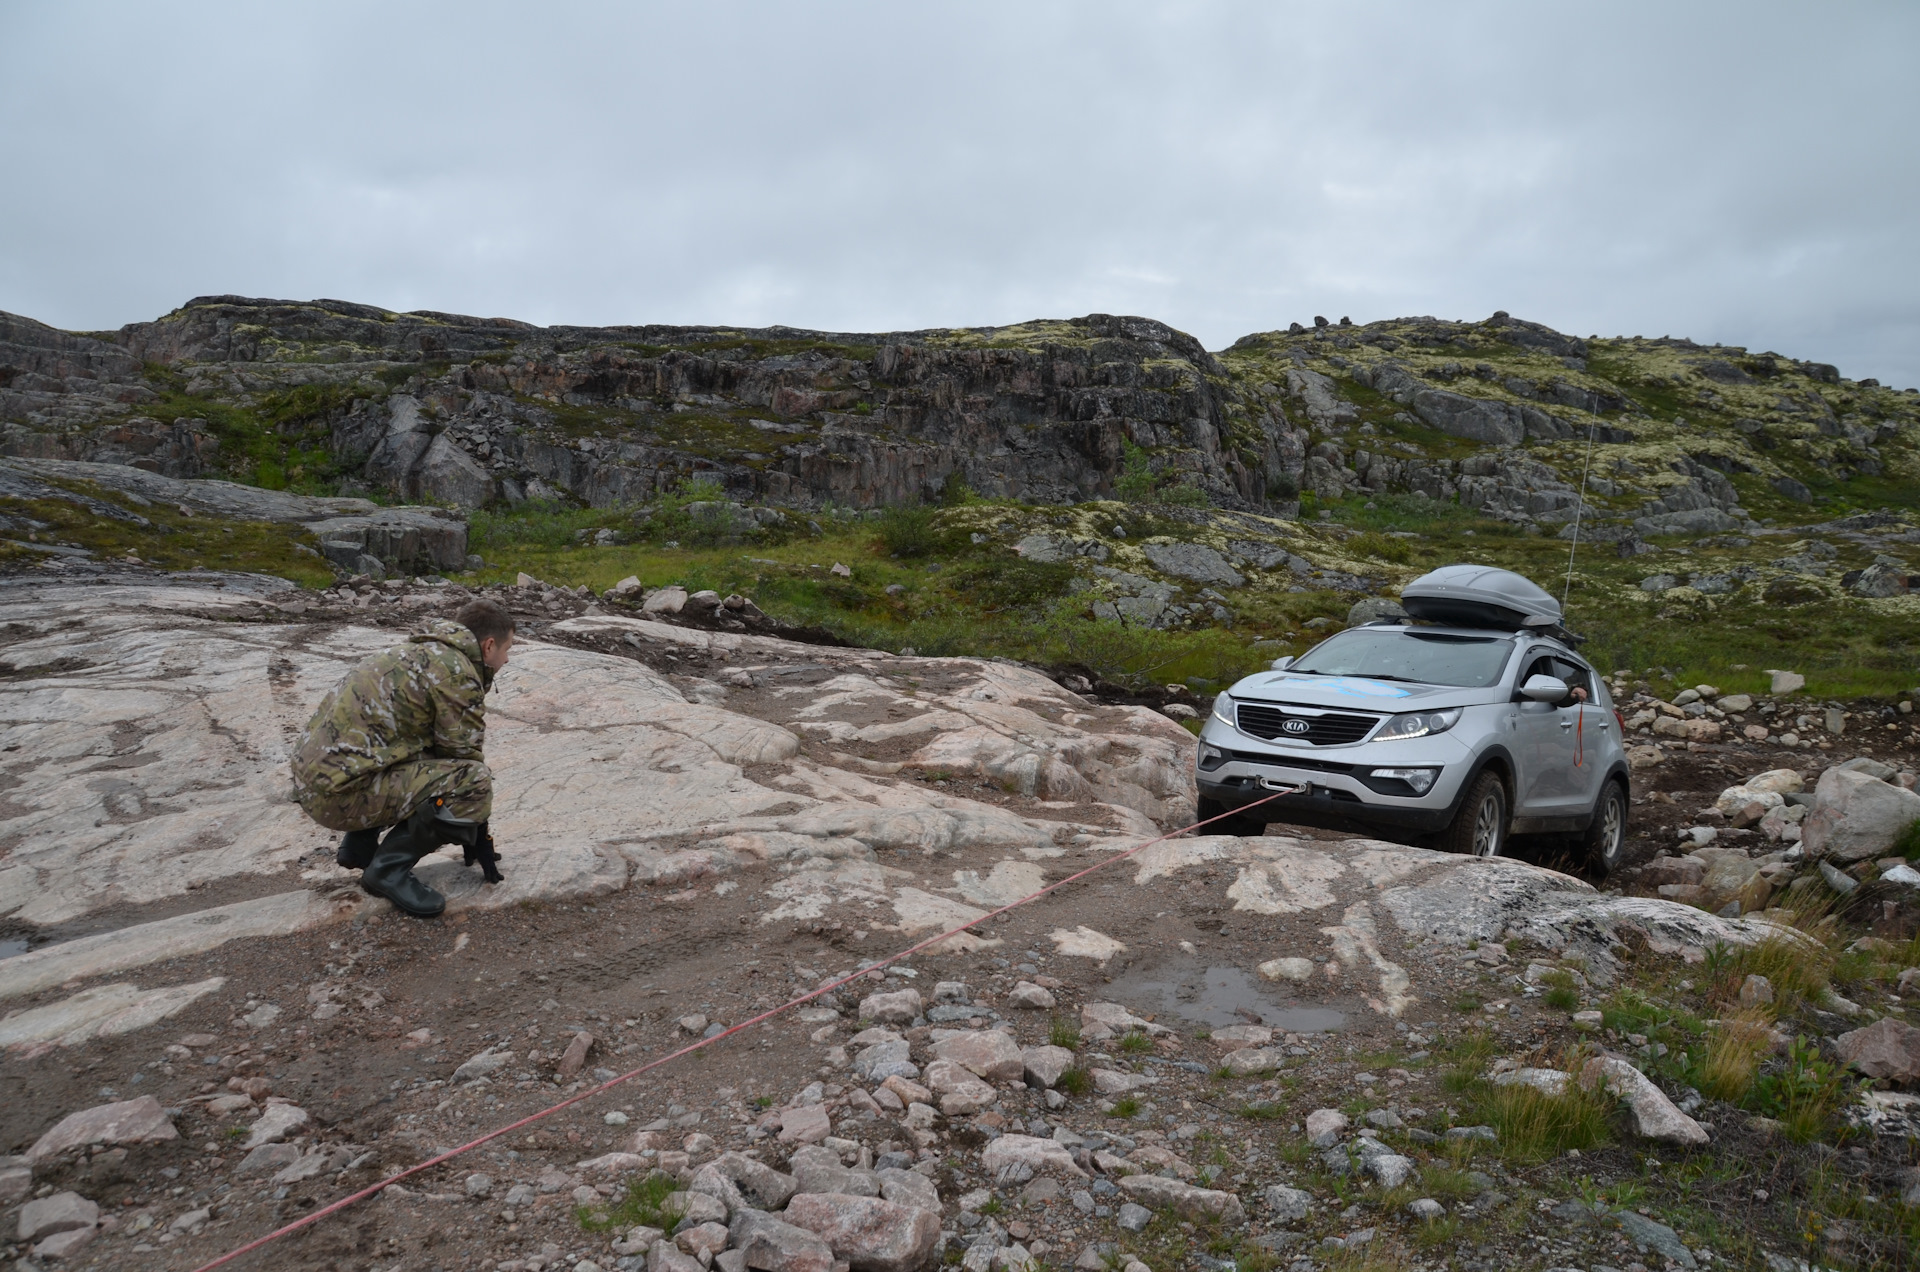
(1479, 596)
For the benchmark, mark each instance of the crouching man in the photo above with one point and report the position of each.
(397, 744)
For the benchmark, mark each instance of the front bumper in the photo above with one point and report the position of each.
(1339, 793)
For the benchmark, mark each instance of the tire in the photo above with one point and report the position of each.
(1479, 829)
(1236, 824)
(1606, 835)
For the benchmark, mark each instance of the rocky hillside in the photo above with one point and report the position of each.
(1498, 415)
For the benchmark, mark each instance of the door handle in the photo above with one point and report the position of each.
(1566, 724)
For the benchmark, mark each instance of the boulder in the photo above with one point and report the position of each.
(1044, 1065)
(1391, 1169)
(870, 1233)
(1115, 1082)
(896, 1008)
(764, 1186)
(61, 1212)
(140, 1121)
(1010, 1151)
(818, 1170)
(1286, 969)
(991, 1054)
(1031, 996)
(1185, 1200)
(1870, 766)
(909, 1188)
(1653, 1114)
(960, 1092)
(1193, 561)
(1688, 870)
(1855, 816)
(808, 1124)
(1888, 1049)
(712, 1182)
(280, 1120)
(1756, 991)
(885, 1060)
(1744, 806)
(1250, 1060)
(1100, 1021)
(1546, 1081)
(702, 1241)
(1287, 1205)
(666, 600)
(1324, 1127)
(1734, 879)
(774, 1245)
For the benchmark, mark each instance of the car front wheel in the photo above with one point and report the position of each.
(1479, 828)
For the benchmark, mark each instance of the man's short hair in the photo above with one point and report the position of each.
(487, 620)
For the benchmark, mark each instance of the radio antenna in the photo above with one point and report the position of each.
(1578, 509)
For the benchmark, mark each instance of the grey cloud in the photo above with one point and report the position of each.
(1732, 172)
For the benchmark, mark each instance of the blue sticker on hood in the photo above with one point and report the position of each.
(1352, 686)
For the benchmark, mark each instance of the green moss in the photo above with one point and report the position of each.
(171, 539)
(283, 442)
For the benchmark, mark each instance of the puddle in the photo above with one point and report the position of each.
(1221, 996)
(10, 948)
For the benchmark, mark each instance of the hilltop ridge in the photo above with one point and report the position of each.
(330, 396)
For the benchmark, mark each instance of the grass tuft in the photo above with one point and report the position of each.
(1732, 1060)
(1063, 1031)
(643, 1206)
(1075, 1081)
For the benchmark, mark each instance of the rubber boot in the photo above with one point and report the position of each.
(390, 873)
(356, 848)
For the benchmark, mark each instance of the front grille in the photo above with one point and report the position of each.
(1329, 729)
(1306, 762)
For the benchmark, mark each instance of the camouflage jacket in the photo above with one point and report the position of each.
(423, 698)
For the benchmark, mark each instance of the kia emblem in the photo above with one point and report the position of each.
(1295, 727)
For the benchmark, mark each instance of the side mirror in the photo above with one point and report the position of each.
(1281, 664)
(1544, 689)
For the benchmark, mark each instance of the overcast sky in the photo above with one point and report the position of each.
(1743, 172)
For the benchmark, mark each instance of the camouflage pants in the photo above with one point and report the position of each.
(386, 798)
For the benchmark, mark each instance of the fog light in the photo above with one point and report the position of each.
(1211, 757)
(1420, 779)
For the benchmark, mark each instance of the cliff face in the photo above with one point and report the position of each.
(466, 411)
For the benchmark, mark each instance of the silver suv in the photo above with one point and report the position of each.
(1451, 736)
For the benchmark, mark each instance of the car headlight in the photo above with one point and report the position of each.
(1223, 709)
(1211, 757)
(1418, 724)
(1420, 779)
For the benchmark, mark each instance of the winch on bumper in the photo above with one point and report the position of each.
(1374, 786)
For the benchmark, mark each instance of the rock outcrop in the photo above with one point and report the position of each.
(464, 411)
(357, 536)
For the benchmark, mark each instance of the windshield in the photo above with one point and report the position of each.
(1470, 662)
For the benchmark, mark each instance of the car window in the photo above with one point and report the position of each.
(1429, 658)
(1569, 673)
